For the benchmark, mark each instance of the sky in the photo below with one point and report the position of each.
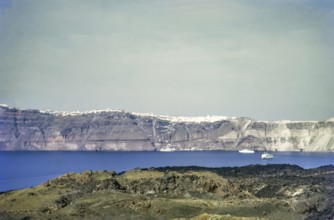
(264, 59)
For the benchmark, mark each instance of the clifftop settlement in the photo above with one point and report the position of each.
(119, 130)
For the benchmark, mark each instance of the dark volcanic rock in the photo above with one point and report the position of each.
(252, 192)
(119, 130)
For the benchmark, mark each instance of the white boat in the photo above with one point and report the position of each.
(246, 151)
(167, 149)
(266, 155)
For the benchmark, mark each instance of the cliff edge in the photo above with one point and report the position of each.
(119, 130)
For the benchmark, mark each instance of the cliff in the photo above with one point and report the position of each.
(120, 130)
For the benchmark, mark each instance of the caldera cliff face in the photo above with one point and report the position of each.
(120, 130)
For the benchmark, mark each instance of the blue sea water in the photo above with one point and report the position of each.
(22, 169)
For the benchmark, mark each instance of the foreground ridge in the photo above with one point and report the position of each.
(120, 130)
(250, 192)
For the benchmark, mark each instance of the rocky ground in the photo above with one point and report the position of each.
(251, 192)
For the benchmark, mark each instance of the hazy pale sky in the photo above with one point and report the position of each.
(265, 59)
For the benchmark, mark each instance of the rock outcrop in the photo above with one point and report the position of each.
(251, 192)
(120, 130)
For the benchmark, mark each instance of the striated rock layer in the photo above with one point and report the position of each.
(120, 130)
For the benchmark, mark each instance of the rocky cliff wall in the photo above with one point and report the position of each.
(119, 130)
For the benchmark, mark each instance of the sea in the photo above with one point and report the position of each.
(23, 169)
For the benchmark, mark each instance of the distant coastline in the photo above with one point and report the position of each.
(117, 130)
